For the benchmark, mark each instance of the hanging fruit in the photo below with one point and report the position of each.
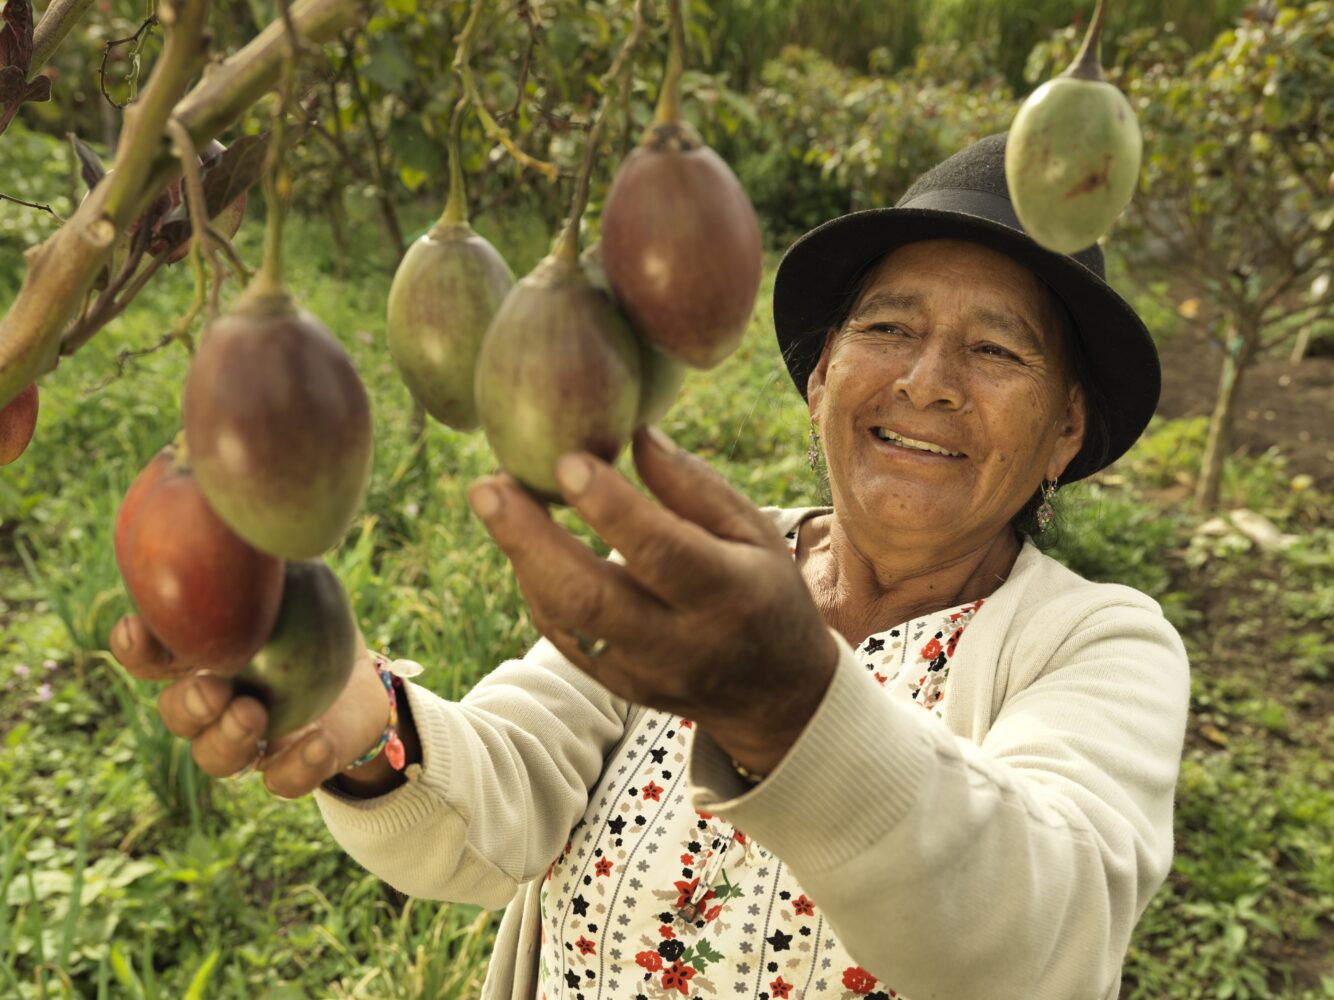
(559, 371)
(277, 422)
(207, 595)
(18, 420)
(661, 377)
(308, 658)
(1073, 153)
(279, 427)
(680, 240)
(445, 293)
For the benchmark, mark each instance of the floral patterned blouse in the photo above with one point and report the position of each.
(651, 899)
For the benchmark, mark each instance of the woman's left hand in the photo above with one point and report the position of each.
(709, 618)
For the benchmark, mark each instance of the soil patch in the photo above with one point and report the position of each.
(1280, 405)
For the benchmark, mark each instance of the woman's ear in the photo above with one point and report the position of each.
(1071, 427)
(815, 381)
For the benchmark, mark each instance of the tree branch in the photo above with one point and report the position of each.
(1322, 309)
(57, 21)
(111, 44)
(493, 128)
(31, 204)
(61, 269)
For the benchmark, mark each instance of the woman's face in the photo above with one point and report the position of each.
(943, 401)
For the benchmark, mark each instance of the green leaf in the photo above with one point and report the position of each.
(389, 65)
(1234, 938)
(203, 976)
(123, 969)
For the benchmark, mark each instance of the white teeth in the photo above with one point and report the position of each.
(899, 439)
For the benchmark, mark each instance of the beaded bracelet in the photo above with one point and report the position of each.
(389, 744)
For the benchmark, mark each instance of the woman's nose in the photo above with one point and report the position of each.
(931, 378)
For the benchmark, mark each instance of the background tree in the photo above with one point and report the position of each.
(1233, 205)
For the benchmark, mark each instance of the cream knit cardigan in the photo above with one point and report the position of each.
(1020, 841)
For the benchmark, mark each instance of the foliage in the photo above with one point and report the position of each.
(37, 169)
(815, 140)
(247, 895)
(125, 871)
(1237, 203)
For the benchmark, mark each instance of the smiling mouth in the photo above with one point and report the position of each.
(884, 434)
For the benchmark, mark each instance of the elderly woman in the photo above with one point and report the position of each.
(885, 748)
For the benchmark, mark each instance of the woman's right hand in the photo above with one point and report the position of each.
(225, 731)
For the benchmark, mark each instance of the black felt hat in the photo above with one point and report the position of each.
(966, 198)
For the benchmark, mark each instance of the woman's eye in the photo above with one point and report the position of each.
(996, 351)
(891, 328)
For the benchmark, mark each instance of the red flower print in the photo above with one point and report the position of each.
(803, 907)
(712, 915)
(569, 846)
(931, 650)
(953, 641)
(678, 977)
(881, 678)
(687, 724)
(703, 815)
(685, 890)
(603, 867)
(740, 837)
(650, 960)
(585, 946)
(687, 859)
(666, 931)
(858, 979)
(652, 793)
(781, 990)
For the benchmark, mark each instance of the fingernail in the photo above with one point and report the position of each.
(315, 753)
(195, 703)
(485, 502)
(661, 441)
(573, 473)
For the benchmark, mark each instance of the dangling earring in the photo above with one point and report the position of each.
(1045, 513)
(813, 452)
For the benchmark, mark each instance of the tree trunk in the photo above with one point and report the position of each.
(1235, 363)
(1303, 342)
(334, 212)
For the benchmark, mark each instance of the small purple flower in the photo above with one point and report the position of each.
(49, 665)
(44, 692)
(22, 670)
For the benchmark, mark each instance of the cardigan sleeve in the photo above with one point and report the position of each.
(505, 775)
(1016, 868)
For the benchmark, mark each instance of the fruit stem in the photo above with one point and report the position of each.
(277, 182)
(614, 80)
(1087, 64)
(456, 206)
(669, 101)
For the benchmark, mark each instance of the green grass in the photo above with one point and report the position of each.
(126, 872)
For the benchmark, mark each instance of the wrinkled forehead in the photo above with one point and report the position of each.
(1002, 282)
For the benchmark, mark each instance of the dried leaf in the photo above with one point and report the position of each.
(90, 164)
(16, 35)
(39, 90)
(13, 85)
(225, 178)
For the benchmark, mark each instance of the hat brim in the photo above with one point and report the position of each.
(818, 273)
